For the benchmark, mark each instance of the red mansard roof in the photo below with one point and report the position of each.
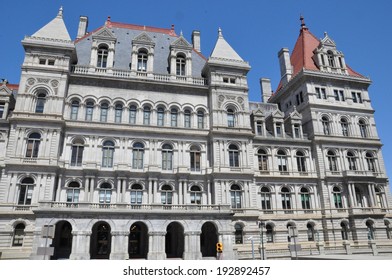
(167, 31)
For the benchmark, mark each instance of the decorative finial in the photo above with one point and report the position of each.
(325, 34)
(220, 32)
(181, 33)
(302, 19)
(107, 20)
(60, 13)
(172, 27)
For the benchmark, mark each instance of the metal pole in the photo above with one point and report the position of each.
(253, 249)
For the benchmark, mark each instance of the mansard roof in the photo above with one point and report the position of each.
(125, 34)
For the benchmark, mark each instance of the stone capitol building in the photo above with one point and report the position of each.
(128, 143)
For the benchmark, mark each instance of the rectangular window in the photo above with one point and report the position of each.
(336, 94)
(297, 131)
(51, 62)
(321, 93)
(341, 94)
(73, 195)
(301, 97)
(357, 97)
(259, 128)
(297, 99)
(354, 96)
(1, 110)
(136, 197)
(278, 129)
(42, 61)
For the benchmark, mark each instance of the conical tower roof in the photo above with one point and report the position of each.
(54, 30)
(223, 50)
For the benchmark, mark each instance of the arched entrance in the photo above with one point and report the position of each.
(174, 240)
(208, 240)
(100, 241)
(138, 241)
(62, 241)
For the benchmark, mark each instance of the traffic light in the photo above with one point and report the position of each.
(219, 247)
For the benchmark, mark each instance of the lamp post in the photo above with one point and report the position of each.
(261, 226)
(253, 248)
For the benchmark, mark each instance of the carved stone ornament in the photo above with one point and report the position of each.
(54, 83)
(30, 81)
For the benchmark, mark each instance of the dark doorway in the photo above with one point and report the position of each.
(62, 241)
(100, 241)
(138, 241)
(208, 240)
(174, 240)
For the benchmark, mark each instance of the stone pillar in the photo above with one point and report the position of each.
(226, 238)
(320, 248)
(156, 246)
(351, 196)
(347, 247)
(80, 245)
(180, 195)
(86, 187)
(192, 246)
(208, 192)
(371, 197)
(119, 245)
(373, 245)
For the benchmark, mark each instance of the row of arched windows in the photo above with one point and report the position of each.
(282, 160)
(337, 197)
(352, 160)
(161, 114)
(346, 129)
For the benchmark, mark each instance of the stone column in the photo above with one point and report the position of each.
(208, 192)
(192, 246)
(156, 246)
(119, 245)
(371, 197)
(180, 196)
(80, 245)
(350, 196)
(86, 187)
(226, 238)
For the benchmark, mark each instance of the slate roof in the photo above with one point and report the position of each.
(124, 34)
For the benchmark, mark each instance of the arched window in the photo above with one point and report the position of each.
(132, 114)
(33, 142)
(234, 160)
(180, 65)
(282, 160)
(146, 115)
(105, 193)
(118, 113)
(89, 110)
(388, 229)
(104, 112)
(142, 58)
(331, 60)
(358, 196)
(2, 113)
(187, 118)
(77, 152)
(102, 58)
(370, 229)
(344, 230)
(310, 231)
(325, 123)
(265, 198)
(167, 157)
(200, 119)
(337, 197)
(73, 192)
(137, 156)
(286, 198)
(235, 193)
(230, 118)
(18, 236)
(174, 116)
(195, 157)
(195, 195)
(352, 161)
(239, 234)
(74, 109)
(26, 191)
(262, 159)
(269, 233)
(344, 125)
(332, 161)
(107, 154)
(161, 116)
(301, 161)
(40, 105)
(136, 194)
(370, 162)
(305, 198)
(166, 195)
(363, 128)
(379, 197)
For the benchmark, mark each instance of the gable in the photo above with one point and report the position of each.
(104, 34)
(181, 43)
(143, 37)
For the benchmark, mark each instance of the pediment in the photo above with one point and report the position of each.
(105, 34)
(5, 90)
(327, 41)
(277, 114)
(295, 115)
(181, 43)
(143, 37)
(259, 113)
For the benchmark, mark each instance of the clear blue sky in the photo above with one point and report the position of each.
(257, 30)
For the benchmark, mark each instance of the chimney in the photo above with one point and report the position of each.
(83, 24)
(285, 65)
(196, 40)
(266, 90)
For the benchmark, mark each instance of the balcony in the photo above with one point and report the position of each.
(133, 208)
(127, 74)
(368, 211)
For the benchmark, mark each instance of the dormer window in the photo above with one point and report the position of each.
(142, 58)
(180, 65)
(331, 61)
(228, 80)
(102, 56)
